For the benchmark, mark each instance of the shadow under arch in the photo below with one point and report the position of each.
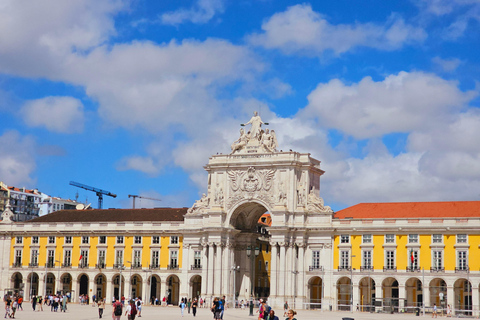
(246, 214)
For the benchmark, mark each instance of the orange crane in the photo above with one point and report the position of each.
(136, 196)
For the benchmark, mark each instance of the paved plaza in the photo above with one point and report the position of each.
(78, 312)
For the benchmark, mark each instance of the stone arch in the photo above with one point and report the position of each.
(33, 282)
(118, 282)
(100, 284)
(155, 289)
(135, 285)
(463, 297)
(66, 283)
(245, 214)
(50, 284)
(83, 284)
(173, 289)
(195, 286)
(437, 286)
(366, 288)
(344, 294)
(390, 294)
(315, 286)
(17, 282)
(413, 294)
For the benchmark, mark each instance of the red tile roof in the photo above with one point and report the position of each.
(450, 209)
(113, 215)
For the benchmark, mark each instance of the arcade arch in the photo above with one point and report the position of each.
(83, 283)
(315, 288)
(100, 285)
(17, 281)
(118, 281)
(135, 285)
(366, 288)
(463, 297)
(413, 294)
(344, 294)
(173, 290)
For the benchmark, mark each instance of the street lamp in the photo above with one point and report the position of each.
(148, 293)
(295, 286)
(235, 269)
(58, 278)
(130, 279)
(351, 283)
(249, 253)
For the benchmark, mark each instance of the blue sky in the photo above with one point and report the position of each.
(134, 96)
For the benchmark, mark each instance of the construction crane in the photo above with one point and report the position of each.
(135, 196)
(99, 192)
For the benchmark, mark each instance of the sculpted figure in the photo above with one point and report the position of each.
(256, 123)
(218, 194)
(315, 203)
(199, 204)
(241, 142)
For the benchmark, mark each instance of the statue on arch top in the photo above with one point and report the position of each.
(256, 122)
(255, 140)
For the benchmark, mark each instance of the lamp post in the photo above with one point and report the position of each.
(249, 253)
(58, 277)
(148, 293)
(130, 279)
(351, 283)
(121, 268)
(295, 286)
(234, 269)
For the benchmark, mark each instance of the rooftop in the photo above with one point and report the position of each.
(113, 215)
(412, 210)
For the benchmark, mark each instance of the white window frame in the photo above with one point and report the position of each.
(435, 254)
(51, 240)
(174, 240)
(18, 240)
(68, 240)
(35, 240)
(464, 259)
(174, 258)
(85, 239)
(197, 258)
(437, 238)
(155, 239)
(413, 238)
(367, 238)
(119, 257)
(137, 258)
(100, 238)
(102, 257)
(34, 257)
(390, 238)
(84, 260)
(344, 256)
(67, 257)
(462, 238)
(155, 258)
(367, 256)
(137, 239)
(390, 259)
(344, 238)
(120, 240)
(316, 259)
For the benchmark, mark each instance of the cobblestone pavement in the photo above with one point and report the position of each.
(78, 312)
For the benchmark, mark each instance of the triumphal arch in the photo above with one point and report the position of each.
(243, 258)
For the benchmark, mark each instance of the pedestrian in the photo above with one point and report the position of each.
(8, 303)
(290, 315)
(272, 315)
(117, 310)
(64, 303)
(217, 311)
(182, 306)
(139, 306)
(194, 307)
(131, 310)
(222, 306)
(434, 314)
(40, 300)
(14, 308)
(189, 304)
(285, 308)
(101, 306)
(34, 302)
(20, 301)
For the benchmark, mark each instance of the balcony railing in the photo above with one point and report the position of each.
(462, 269)
(389, 268)
(33, 265)
(366, 268)
(67, 265)
(172, 266)
(17, 265)
(196, 267)
(83, 266)
(413, 269)
(437, 269)
(344, 268)
(136, 266)
(154, 266)
(315, 268)
(49, 265)
(100, 265)
(119, 266)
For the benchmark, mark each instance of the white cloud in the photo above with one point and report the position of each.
(35, 37)
(447, 65)
(202, 12)
(17, 160)
(400, 103)
(56, 114)
(300, 30)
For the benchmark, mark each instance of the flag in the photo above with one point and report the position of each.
(412, 258)
(81, 256)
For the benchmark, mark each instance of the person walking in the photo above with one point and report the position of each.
(272, 315)
(217, 311)
(139, 306)
(291, 315)
(34, 302)
(101, 306)
(8, 303)
(194, 307)
(131, 310)
(182, 306)
(40, 300)
(285, 308)
(434, 314)
(20, 301)
(189, 304)
(117, 310)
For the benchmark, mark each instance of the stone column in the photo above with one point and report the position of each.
(450, 297)
(281, 284)
(301, 272)
(92, 290)
(227, 272)
(273, 270)
(401, 295)
(355, 296)
(41, 286)
(108, 289)
(163, 289)
(184, 283)
(204, 270)
(378, 291)
(145, 289)
(475, 297)
(217, 278)
(289, 294)
(211, 259)
(426, 294)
